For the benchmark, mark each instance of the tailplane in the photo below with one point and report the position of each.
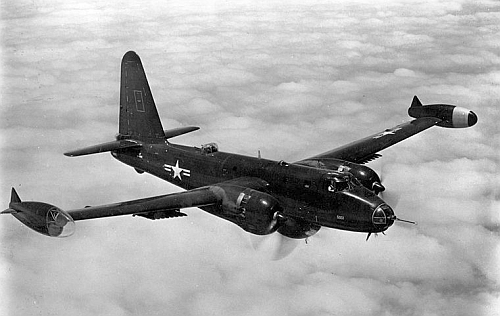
(139, 117)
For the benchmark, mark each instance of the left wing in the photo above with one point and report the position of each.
(366, 149)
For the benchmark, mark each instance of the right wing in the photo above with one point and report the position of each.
(50, 220)
(169, 203)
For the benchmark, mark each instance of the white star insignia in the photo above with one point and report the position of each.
(178, 171)
(388, 132)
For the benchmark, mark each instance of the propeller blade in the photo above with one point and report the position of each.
(392, 198)
(257, 241)
(275, 246)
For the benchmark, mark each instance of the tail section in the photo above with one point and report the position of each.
(139, 117)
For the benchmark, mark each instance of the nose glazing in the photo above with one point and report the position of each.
(383, 216)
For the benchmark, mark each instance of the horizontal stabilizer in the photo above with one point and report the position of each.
(110, 146)
(180, 131)
(9, 211)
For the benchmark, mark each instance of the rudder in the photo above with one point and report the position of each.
(139, 117)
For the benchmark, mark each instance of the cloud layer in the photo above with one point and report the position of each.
(290, 79)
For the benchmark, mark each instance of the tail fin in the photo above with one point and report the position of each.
(14, 197)
(415, 103)
(139, 117)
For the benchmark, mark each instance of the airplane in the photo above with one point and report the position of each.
(334, 189)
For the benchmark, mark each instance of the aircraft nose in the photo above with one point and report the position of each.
(472, 118)
(383, 216)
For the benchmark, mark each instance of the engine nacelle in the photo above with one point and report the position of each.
(44, 218)
(297, 228)
(365, 175)
(451, 116)
(254, 211)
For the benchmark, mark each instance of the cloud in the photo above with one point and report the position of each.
(289, 79)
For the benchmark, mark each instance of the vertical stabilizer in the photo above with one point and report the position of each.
(139, 117)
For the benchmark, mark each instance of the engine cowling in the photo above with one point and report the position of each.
(298, 228)
(364, 174)
(254, 211)
(451, 116)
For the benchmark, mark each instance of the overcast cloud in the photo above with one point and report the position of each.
(289, 78)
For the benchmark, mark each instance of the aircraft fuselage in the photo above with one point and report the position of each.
(303, 191)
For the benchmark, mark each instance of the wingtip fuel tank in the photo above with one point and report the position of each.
(451, 116)
(43, 218)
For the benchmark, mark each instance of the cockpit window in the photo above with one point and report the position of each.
(337, 184)
(210, 148)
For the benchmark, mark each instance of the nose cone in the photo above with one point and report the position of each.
(472, 118)
(383, 217)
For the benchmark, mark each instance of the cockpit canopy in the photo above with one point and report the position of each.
(336, 183)
(209, 148)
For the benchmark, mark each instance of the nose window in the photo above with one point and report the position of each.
(380, 215)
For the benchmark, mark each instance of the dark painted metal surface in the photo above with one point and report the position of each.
(262, 196)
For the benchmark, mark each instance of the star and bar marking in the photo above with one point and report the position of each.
(178, 171)
(387, 132)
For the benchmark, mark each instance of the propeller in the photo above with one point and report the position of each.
(275, 246)
(391, 198)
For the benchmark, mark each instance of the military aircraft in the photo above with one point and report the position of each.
(332, 189)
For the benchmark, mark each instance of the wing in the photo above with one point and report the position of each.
(169, 205)
(50, 220)
(366, 149)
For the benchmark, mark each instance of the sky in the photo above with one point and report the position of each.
(289, 78)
